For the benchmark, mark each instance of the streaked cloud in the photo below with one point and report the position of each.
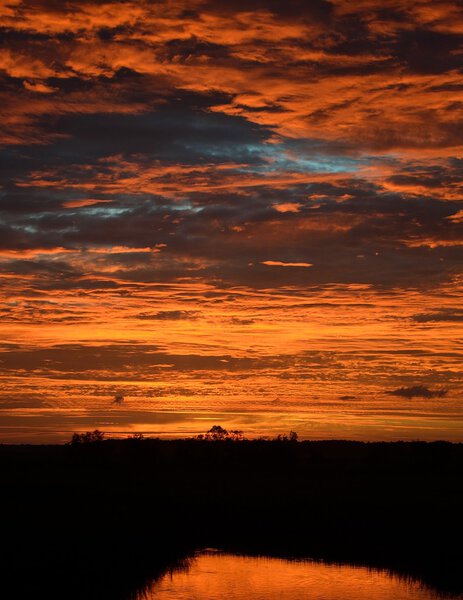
(278, 263)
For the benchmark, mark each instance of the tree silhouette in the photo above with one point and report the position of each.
(88, 437)
(283, 437)
(217, 433)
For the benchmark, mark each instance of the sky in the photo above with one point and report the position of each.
(245, 213)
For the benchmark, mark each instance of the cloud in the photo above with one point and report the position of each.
(168, 315)
(451, 315)
(239, 321)
(278, 263)
(84, 202)
(457, 217)
(264, 66)
(420, 391)
(288, 207)
(40, 88)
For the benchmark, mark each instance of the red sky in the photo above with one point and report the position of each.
(246, 214)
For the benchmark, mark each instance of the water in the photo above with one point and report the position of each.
(216, 576)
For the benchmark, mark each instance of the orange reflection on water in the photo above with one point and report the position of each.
(214, 576)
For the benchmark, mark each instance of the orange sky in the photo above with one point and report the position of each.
(246, 214)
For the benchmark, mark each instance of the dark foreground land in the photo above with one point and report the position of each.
(101, 520)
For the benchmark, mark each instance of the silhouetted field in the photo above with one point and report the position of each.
(101, 520)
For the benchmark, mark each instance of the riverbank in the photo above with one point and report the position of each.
(100, 520)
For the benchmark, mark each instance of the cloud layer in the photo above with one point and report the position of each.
(262, 197)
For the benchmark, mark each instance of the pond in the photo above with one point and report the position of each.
(218, 576)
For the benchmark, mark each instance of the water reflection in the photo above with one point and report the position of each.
(216, 576)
